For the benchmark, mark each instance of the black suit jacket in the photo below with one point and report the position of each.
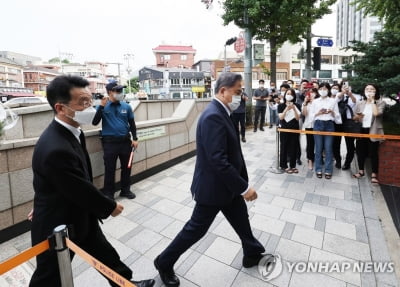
(220, 173)
(62, 181)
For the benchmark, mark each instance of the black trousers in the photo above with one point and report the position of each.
(47, 272)
(201, 220)
(289, 147)
(113, 151)
(259, 111)
(336, 143)
(239, 118)
(350, 147)
(310, 146)
(365, 147)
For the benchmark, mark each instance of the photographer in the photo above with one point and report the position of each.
(118, 138)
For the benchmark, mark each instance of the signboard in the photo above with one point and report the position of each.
(325, 42)
(150, 133)
(258, 51)
(240, 43)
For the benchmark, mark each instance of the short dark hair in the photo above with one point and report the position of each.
(377, 93)
(326, 85)
(286, 86)
(227, 80)
(58, 91)
(261, 81)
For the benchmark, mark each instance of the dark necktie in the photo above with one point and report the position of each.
(82, 139)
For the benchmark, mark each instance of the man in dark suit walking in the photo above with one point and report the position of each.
(220, 181)
(62, 181)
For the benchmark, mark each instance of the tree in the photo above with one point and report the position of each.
(379, 63)
(275, 21)
(386, 10)
(57, 60)
(134, 85)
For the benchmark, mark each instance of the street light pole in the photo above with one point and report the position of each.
(127, 57)
(228, 43)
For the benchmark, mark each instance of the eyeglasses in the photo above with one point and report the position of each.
(86, 103)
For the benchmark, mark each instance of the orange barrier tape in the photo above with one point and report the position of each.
(108, 272)
(354, 135)
(24, 256)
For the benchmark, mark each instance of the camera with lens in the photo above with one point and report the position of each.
(98, 96)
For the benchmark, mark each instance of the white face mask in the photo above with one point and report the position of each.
(334, 91)
(369, 94)
(323, 93)
(289, 98)
(261, 86)
(119, 97)
(84, 117)
(235, 103)
(283, 93)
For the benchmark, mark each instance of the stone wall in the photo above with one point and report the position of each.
(166, 131)
(389, 163)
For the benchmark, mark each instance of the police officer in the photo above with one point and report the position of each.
(261, 97)
(118, 137)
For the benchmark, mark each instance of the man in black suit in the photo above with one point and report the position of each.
(62, 181)
(220, 181)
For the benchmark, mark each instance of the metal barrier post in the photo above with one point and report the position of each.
(277, 168)
(64, 260)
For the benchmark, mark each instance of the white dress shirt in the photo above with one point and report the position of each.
(75, 131)
(328, 104)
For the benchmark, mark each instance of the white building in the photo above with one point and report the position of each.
(352, 25)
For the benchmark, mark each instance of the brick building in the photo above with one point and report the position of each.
(170, 56)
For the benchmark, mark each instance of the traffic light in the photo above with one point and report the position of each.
(316, 58)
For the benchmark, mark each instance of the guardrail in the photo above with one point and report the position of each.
(60, 243)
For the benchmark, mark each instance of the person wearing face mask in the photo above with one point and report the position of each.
(261, 97)
(310, 96)
(369, 112)
(289, 115)
(118, 137)
(346, 103)
(63, 185)
(239, 113)
(324, 112)
(220, 183)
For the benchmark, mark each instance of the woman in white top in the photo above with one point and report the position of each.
(324, 112)
(308, 124)
(369, 111)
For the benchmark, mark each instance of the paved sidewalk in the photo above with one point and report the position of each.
(299, 216)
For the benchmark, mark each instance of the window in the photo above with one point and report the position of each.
(167, 57)
(186, 82)
(183, 57)
(174, 82)
(325, 74)
(255, 75)
(344, 60)
(326, 59)
(281, 76)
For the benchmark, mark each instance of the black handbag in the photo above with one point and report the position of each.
(352, 126)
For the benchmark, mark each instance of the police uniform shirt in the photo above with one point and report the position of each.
(115, 119)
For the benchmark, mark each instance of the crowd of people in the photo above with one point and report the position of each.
(323, 107)
(63, 180)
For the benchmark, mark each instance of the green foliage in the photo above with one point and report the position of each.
(56, 60)
(386, 10)
(134, 85)
(275, 21)
(380, 63)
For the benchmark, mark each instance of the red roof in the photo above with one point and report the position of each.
(174, 48)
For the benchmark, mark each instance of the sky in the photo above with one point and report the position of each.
(99, 30)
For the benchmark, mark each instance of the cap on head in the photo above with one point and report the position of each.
(113, 86)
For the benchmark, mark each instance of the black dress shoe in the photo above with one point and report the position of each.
(168, 277)
(144, 283)
(338, 164)
(254, 130)
(299, 162)
(251, 261)
(346, 167)
(128, 194)
(243, 139)
(262, 129)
